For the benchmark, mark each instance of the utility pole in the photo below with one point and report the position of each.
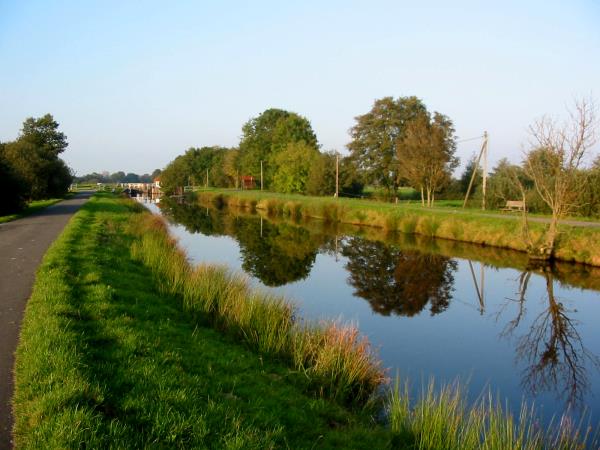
(207, 178)
(261, 175)
(474, 174)
(484, 174)
(337, 176)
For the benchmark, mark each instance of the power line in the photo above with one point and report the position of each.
(470, 139)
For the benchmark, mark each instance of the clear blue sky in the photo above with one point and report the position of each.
(134, 84)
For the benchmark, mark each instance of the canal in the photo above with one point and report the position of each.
(431, 308)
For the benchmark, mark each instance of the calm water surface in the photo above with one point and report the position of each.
(431, 308)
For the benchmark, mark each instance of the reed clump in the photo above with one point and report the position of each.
(336, 359)
(442, 419)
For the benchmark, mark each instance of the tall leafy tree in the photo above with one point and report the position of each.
(292, 167)
(265, 136)
(13, 189)
(426, 154)
(375, 137)
(35, 157)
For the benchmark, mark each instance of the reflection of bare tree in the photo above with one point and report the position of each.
(552, 348)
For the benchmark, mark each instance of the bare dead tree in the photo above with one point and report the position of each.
(557, 151)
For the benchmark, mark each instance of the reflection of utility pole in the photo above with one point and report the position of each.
(336, 248)
(483, 152)
(261, 175)
(261, 226)
(337, 177)
(480, 294)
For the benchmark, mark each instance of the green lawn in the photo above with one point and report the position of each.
(31, 208)
(105, 361)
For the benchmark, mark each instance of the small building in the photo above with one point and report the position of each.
(248, 182)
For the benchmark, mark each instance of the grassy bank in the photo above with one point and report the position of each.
(32, 207)
(125, 345)
(108, 360)
(575, 244)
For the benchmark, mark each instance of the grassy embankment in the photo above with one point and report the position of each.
(32, 207)
(575, 244)
(126, 345)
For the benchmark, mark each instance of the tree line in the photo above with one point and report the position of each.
(117, 177)
(30, 166)
(398, 142)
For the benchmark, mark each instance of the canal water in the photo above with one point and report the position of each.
(431, 308)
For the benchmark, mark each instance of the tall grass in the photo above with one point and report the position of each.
(337, 360)
(442, 419)
(334, 357)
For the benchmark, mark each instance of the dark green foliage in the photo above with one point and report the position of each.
(321, 177)
(375, 136)
(265, 136)
(12, 187)
(34, 158)
(351, 182)
(465, 178)
(190, 169)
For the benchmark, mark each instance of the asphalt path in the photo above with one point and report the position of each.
(23, 243)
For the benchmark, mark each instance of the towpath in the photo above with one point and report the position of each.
(23, 243)
(515, 216)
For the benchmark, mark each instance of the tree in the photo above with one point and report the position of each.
(557, 151)
(465, 178)
(131, 178)
(375, 137)
(117, 177)
(13, 189)
(192, 167)
(34, 157)
(292, 167)
(426, 154)
(265, 136)
(321, 175)
(231, 166)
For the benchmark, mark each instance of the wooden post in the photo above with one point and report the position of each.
(261, 175)
(484, 174)
(207, 178)
(483, 147)
(337, 175)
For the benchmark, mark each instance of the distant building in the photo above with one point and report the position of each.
(248, 182)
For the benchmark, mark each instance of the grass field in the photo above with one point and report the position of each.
(575, 244)
(125, 345)
(32, 207)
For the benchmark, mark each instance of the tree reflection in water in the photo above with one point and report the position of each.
(555, 356)
(398, 281)
(282, 254)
